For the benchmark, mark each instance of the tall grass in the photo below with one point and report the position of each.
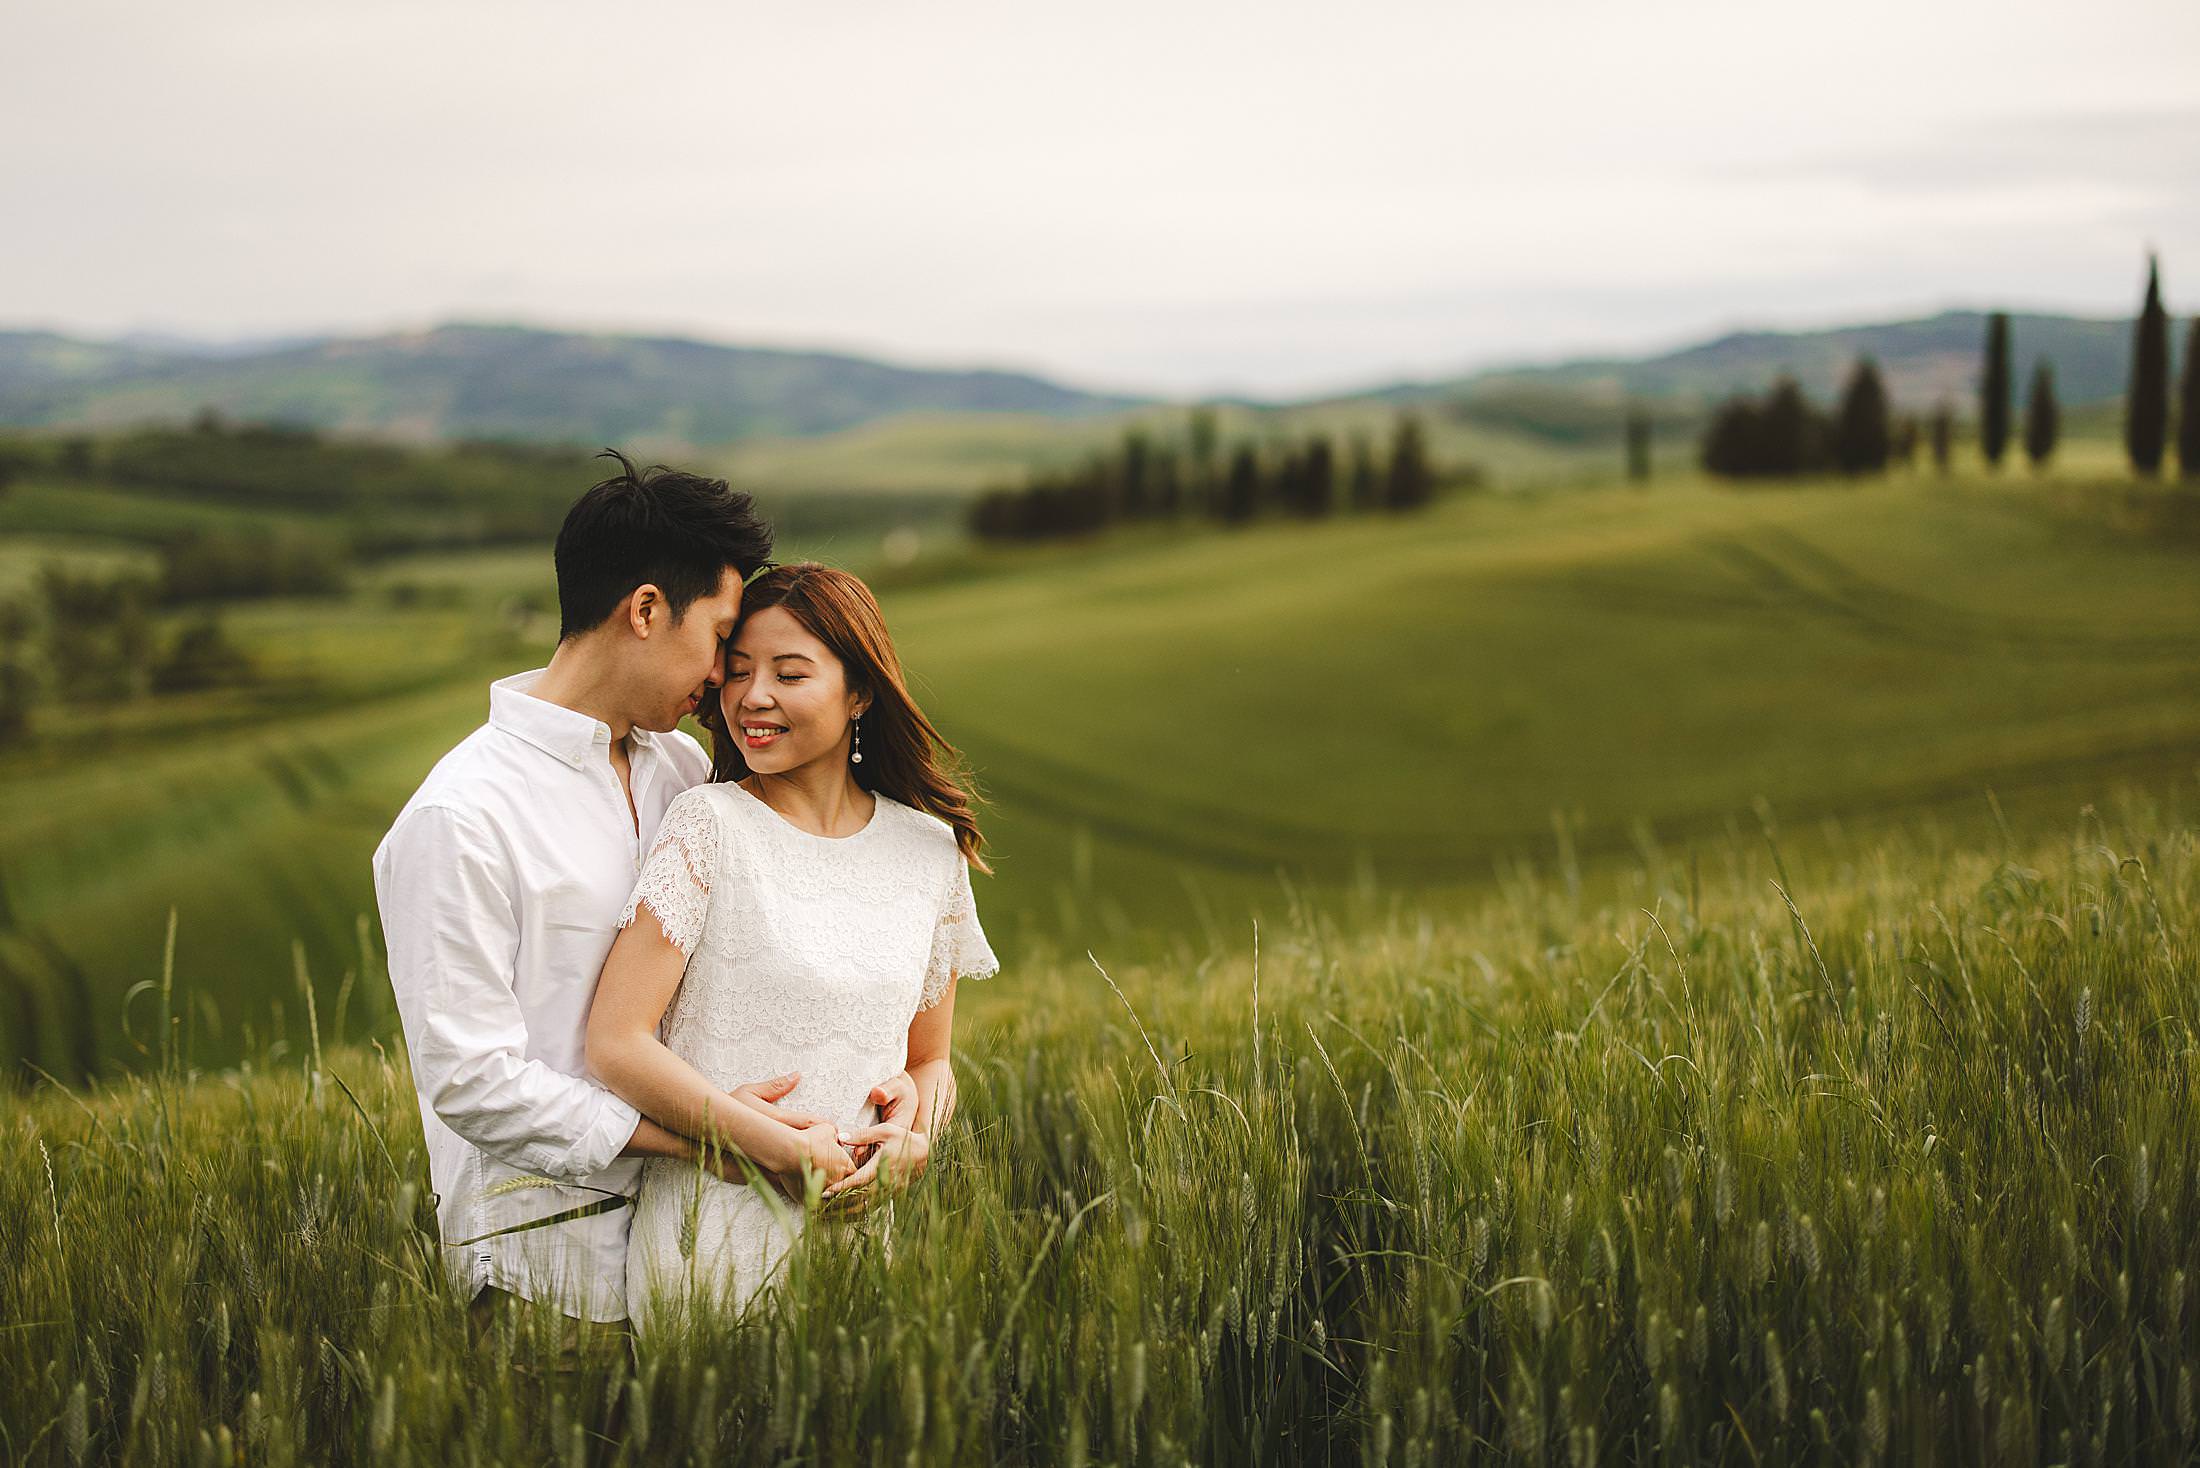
(1889, 1159)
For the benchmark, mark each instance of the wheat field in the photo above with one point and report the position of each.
(1886, 1152)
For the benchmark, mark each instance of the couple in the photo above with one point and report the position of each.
(720, 986)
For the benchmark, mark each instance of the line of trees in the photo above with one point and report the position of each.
(2042, 426)
(1145, 478)
(1785, 434)
(383, 497)
(2147, 407)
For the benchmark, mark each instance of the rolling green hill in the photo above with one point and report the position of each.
(1176, 726)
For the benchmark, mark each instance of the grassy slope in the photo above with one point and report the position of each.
(1432, 692)
(1168, 721)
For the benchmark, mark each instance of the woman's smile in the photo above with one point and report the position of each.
(760, 735)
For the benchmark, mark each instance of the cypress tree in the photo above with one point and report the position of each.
(1412, 482)
(1943, 436)
(1796, 435)
(1319, 470)
(1132, 469)
(1861, 438)
(1993, 408)
(1734, 444)
(1241, 489)
(2188, 408)
(2042, 421)
(1638, 445)
(2146, 416)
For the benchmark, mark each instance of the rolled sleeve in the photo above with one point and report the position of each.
(450, 924)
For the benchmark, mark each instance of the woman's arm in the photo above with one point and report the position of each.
(931, 1037)
(640, 976)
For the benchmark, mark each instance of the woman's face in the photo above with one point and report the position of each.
(786, 696)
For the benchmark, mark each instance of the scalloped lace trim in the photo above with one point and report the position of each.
(675, 883)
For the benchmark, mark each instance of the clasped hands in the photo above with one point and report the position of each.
(855, 1164)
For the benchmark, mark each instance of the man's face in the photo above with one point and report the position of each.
(685, 657)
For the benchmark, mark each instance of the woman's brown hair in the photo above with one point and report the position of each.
(904, 757)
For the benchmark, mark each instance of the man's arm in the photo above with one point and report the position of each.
(450, 922)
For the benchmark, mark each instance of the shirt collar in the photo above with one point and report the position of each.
(556, 730)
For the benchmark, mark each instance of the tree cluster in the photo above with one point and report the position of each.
(86, 637)
(232, 565)
(1785, 434)
(388, 497)
(1145, 479)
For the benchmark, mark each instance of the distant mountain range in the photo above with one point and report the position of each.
(468, 381)
(1923, 363)
(477, 381)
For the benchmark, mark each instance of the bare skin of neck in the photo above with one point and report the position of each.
(583, 677)
(821, 796)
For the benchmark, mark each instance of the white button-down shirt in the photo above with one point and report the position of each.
(501, 885)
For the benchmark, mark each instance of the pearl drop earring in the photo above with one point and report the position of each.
(857, 757)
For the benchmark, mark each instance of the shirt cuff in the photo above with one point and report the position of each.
(605, 1139)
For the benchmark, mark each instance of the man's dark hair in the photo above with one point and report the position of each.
(658, 526)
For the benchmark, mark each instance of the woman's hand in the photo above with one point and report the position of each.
(816, 1147)
(897, 1159)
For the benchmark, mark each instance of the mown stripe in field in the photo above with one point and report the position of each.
(1233, 840)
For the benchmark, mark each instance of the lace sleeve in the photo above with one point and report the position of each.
(959, 949)
(675, 880)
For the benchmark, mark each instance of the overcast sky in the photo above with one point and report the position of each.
(1272, 197)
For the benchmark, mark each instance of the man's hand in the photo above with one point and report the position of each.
(897, 1158)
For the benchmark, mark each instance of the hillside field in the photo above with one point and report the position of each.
(1182, 728)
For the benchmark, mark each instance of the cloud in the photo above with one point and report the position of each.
(1274, 197)
(2155, 151)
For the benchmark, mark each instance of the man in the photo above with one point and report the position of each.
(503, 879)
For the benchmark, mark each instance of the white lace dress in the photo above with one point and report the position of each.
(805, 953)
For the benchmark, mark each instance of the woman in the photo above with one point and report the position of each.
(808, 912)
